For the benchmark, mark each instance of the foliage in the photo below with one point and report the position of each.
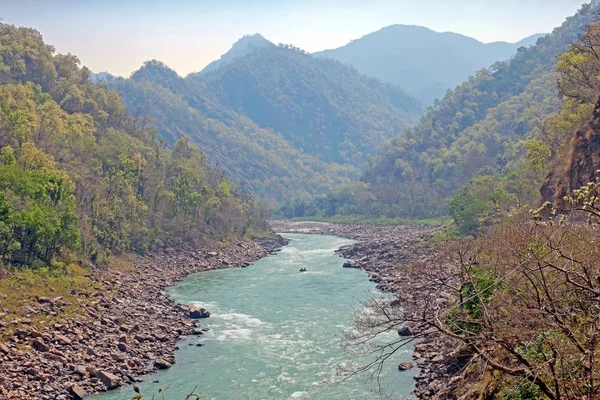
(505, 124)
(78, 170)
(321, 106)
(37, 211)
(274, 118)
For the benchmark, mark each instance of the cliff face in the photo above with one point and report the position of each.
(579, 166)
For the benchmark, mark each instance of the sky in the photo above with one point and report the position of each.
(118, 36)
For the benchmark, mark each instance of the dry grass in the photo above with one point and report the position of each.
(22, 288)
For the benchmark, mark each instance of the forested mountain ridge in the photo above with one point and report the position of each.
(321, 106)
(277, 120)
(80, 174)
(259, 158)
(480, 151)
(421, 61)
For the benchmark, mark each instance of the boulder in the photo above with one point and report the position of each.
(77, 392)
(348, 264)
(81, 370)
(39, 345)
(63, 339)
(111, 381)
(405, 331)
(403, 366)
(4, 348)
(199, 312)
(44, 300)
(161, 364)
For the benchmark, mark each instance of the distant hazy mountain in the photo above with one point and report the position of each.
(243, 46)
(421, 61)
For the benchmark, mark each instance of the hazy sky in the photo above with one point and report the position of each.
(117, 36)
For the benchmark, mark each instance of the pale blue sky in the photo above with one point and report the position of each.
(117, 36)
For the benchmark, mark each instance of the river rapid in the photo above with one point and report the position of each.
(276, 332)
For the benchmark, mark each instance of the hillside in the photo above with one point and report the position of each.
(479, 152)
(242, 47)
(421, 61)
(277, 120)
(82, 176)
(320, 106)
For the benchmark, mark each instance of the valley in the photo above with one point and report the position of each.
(410, 213)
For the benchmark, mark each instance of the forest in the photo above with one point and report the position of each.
(506, 166)
(277, 120)
(81, 176)
(480, 153)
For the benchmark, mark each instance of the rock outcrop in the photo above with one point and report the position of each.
(578, 166)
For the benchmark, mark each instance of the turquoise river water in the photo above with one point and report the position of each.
(275, 332)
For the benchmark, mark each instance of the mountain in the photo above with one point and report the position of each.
(483, 149)
(421, 61)
(276, 119)
(242, 47)
(319, 105)
(101, 77)
(81, 177)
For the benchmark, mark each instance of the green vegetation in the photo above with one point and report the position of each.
(321, 106)
(481, 153)
(79, 175)
(523, 296)
(275, 119)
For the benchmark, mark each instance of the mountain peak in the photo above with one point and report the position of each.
(245, 45)
(253, 40)
(422, 61)
(154, 70)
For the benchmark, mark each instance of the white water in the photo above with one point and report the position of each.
(276, 332)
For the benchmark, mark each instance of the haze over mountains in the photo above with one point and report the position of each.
(421, 61)
(285, 123)
(276, 119)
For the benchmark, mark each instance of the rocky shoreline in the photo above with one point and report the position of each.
(127, 329)
(394, 257)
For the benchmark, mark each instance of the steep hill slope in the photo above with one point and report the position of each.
(79, 175)
(276, 119)
(321, 106)
(421, 61)
(579, 165)
(490, 126)
(260, 158)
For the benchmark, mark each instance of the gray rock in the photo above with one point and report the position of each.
(161, 364)
(199, 312)
(111, 381)
(403, 366)
(39, 345)
(405, 331)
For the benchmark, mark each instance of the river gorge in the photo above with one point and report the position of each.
(275, 332)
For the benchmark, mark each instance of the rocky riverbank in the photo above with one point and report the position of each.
(127, 329)
(397, 258)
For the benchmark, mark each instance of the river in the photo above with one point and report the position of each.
(275, 332)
